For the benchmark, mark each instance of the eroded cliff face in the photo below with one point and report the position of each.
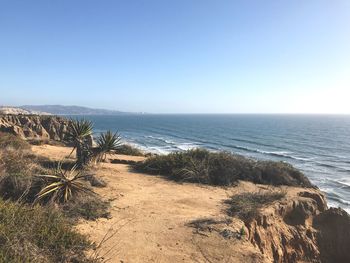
(296, 229)
(35, 126)
(302, 229)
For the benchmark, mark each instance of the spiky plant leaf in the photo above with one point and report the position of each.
(107, 142)
(78, 130)
(63, 185)
(78, 135)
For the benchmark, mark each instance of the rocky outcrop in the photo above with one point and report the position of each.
(333, 235)
(302, 229)
(35, 126)
(298, 228)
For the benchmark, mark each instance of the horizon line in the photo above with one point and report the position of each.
(183, 113)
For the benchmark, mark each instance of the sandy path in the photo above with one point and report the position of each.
(150, 214)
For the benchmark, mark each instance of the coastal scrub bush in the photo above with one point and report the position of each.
(127, 149)
(38, 234)
(246, 206)
(8, 140)
(221, 168)
(177, 165)
(16, 161)
(280, 173)
(17, 167)
(19, 187)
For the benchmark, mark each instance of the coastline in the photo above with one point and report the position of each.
(157, 219)
(181, 207)
(324, 160)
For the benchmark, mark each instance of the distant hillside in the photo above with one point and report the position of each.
(71, 110)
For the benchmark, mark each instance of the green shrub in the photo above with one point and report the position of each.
(37, 234)
(221, 168)
(127, 149)
(177, 165)
(17, 170)
(8, 140)
(280, 173)
(246, 206)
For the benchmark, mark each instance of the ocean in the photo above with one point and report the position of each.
(319, 145)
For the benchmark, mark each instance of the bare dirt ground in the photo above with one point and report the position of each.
(150, 218)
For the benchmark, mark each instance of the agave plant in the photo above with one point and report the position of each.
(79, 132)
(107, 143)
(64, 184)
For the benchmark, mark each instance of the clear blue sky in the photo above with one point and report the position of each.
(177, 56)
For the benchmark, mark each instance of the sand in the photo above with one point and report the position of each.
(150, 216)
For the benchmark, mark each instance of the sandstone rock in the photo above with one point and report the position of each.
(35, 126)
(333, 236)
(302, 229)
(286, 234)
(13, 129)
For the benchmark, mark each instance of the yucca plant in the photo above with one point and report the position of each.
(63, 185)
(107, 142)
(79, 132)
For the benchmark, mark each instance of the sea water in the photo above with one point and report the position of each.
(319, 145)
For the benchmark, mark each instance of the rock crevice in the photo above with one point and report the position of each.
(35, 126)
(302, 229)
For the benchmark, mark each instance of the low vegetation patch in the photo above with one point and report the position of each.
(19, 187)
(87, 207)
(221, 168)
(247, 206)
(43, 232)
(40, 141)
(17, 161)
(8, 140)
(38, 234)
(127, 149)
(205, 224)
(18, 168)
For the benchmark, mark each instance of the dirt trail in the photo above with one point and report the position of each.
(149, 217)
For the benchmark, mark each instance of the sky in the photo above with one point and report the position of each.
(183, 56)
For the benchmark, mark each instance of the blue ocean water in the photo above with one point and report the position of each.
(319, 145)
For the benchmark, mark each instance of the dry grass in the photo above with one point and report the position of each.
(17, 170)
(247, 206)
(87, 207)
(8, 140)
(16, 161)
(38, 234)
